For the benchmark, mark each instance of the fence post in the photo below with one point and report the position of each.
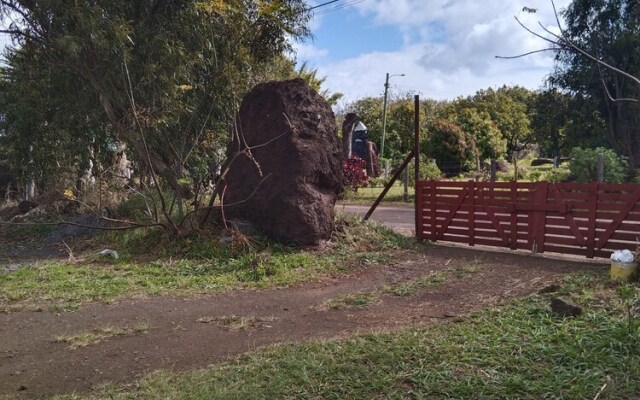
(600, 168)
(493, 170)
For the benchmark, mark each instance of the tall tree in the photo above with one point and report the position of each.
(479, 127)
(509, 110)
(165, 73)
(605, 31)
(453, 150)
(549, 119)
(50, 125)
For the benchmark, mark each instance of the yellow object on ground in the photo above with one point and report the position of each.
(624, 271)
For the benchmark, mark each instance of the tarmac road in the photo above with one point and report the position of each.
(401, 218)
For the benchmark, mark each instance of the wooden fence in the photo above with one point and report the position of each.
(591, 219)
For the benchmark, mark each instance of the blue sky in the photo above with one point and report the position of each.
(445, 48)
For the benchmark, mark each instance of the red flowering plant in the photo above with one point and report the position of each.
(355, 172)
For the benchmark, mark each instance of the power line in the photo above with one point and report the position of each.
(322, 5)
(339, 7)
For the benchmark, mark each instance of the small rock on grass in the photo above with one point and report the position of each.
(563, 308)
(552, 288)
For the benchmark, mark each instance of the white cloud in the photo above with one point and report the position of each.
(307, 51)
(364, 76)
(449, 48)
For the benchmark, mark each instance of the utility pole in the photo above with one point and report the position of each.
(384, 114)
(384, 111)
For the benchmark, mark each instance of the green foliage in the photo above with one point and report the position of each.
(400, 127)
(608, 31)
(38, 118)
(629, 298)
(584, 165)
(453, 150)
(561, 121)
(162, 78)
(378, 182)
(509, 110)
(428, 170)
(557, 175)
(479, 127)
(550, 116)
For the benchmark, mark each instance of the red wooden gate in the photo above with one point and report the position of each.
(590, 219)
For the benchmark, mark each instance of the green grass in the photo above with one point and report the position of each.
(434, 279)
(196, 265)
(515, 351)
(84, 339)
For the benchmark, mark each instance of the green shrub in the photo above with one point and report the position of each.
(428, 170)
(535, 175)
(557, 175)
(584, 165)
(378, 182)
(453, 149)
(509, 176)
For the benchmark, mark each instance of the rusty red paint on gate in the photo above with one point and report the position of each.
(591, 219)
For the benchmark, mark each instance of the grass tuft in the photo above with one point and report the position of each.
(85, 339)
(434, 279)
(360, 299)
(237, 323)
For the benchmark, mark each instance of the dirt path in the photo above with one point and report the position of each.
(32, 364)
